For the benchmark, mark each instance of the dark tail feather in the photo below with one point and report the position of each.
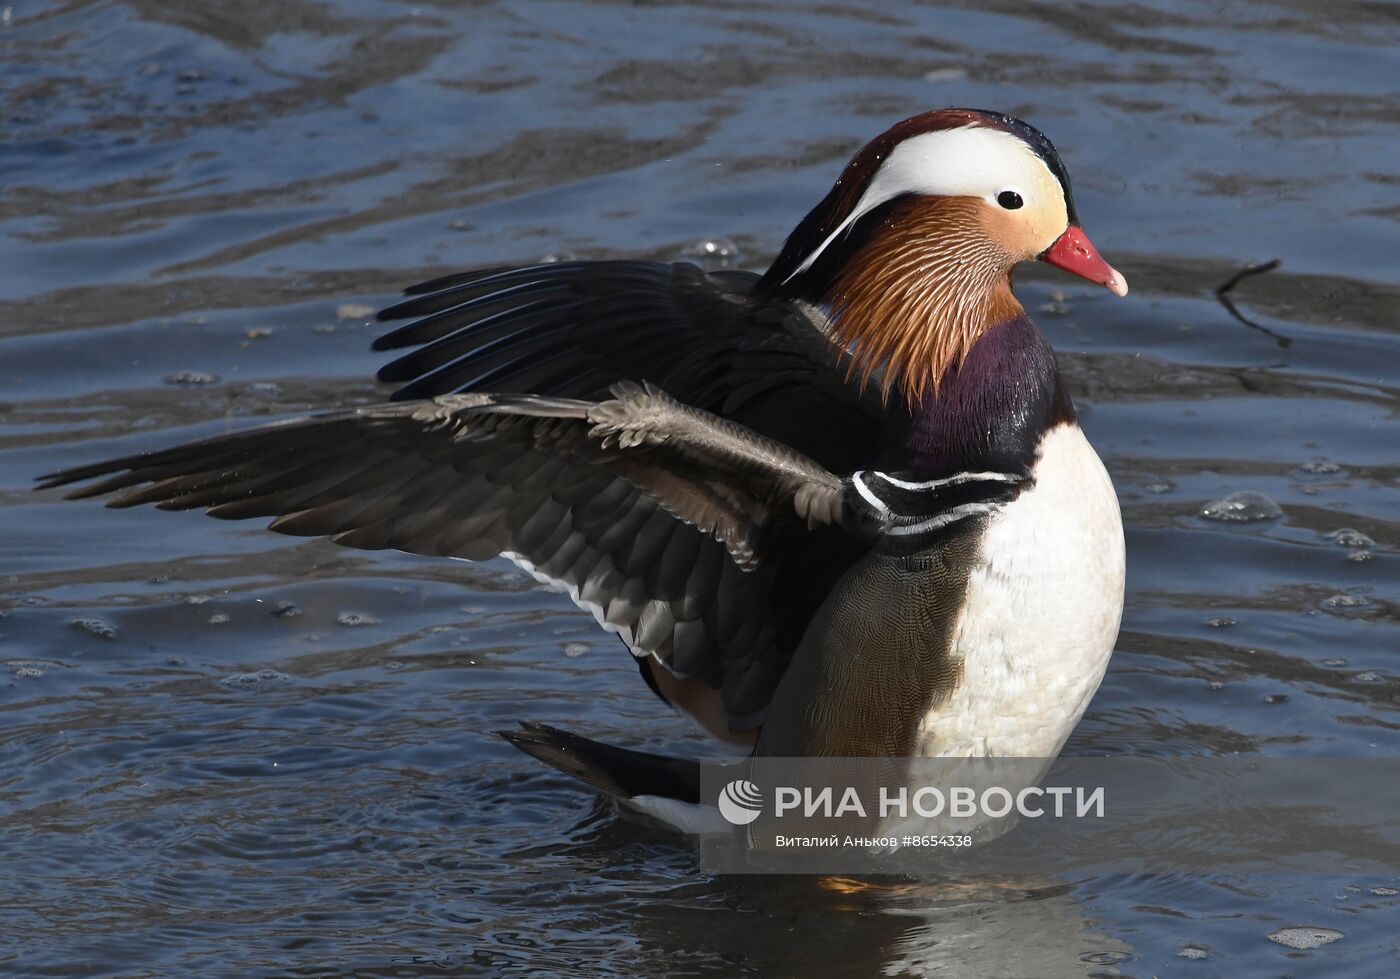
(618, 772)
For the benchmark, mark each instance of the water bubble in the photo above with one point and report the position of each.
(218, 618)
(285, 610)
(1222, 622)
(1242, 507)
(93, 626)
(1159, 486)
(1110, 957)
(1384, 891)
(1369, 676)
(1217, 685)
(191, 377)
(356, 619)
(1356, 557)
(1346, 602)
(1276, 698)
(250, 681)
(1347, 537)
(1320, 467)
(714, 253)
(258, 332)
(1305, 938)
(573, 650)
(26, 672)
(197, 599)
(1192, 952)
(461, 225)
(1334, 662)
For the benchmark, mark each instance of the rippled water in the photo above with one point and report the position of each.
(227, 752)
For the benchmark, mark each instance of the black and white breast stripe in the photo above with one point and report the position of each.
(910, 514)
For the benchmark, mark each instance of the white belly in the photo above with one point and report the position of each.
(1042, 612)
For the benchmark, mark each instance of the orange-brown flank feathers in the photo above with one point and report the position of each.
(913, 300)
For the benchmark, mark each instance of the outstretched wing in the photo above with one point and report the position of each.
(564, 328)
(691, 537)
(572, 329)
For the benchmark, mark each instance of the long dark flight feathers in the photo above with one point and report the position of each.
(333, 474)
(619, 773)
(703, 524)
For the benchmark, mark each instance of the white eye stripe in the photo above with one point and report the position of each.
(973, 161)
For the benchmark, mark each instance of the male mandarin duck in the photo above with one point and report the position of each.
(843, 508)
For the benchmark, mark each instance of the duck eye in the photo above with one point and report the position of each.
(1009, 199)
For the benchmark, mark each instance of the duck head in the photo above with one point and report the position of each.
(910, 254)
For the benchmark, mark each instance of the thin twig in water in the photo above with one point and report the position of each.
(1244, 273)
(1222, 293)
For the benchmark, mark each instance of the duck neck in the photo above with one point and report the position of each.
(912, 301)
(990, 411)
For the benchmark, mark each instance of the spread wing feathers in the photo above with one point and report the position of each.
(572, 329)
(629, 505)
(567, 328)
(710, 472)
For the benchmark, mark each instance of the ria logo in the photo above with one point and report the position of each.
(741, 802)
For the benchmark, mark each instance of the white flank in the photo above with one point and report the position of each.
(970, 162)
(1042, 612)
